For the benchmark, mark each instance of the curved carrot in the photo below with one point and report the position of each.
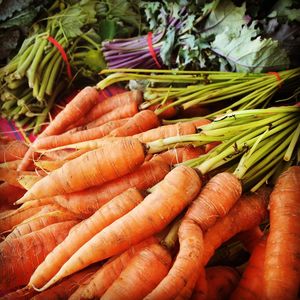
(20, 257)
(250, 238)
(186, 264)
(92, 168)
(145, 270)
(249, 211)
(85, 230)
(142, 121)
(282, 260)
(171, 196)
(12, 150)
(75, 109)
(86, 202)
(250, 285)
(108, 273)
(215, 200)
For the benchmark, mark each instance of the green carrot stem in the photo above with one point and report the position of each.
(292, 145)
(7, 105)
(53, 76)
(170, 240)
(24, 56)
(14, 84)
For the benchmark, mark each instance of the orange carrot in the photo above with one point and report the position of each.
(92, 168)
(250, 238)
(65, 288)
(74, 110)
(215, 200)
(187, 291)
(146, 269)
(195, 111)
(12, 150)
(12, 165)
(282, 260)
(20, 257)
(166, 114)
(201, 287)
(111, 103)
(211, 146)
(249, 211)
(108, 273)
(250, 285)
(158, 209)
(186, 264)
(20, 294)
(142, 121)
(108, 213)
(9, 194)
(86, 202)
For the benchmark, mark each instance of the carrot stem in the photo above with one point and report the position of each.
(291, 147)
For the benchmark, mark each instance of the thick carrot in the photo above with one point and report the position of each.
(142, 121)
(282, 260)
(85, 230)
(111, 103)
(67, 138)
(146, 269)
(20, 257)
(158, 209)
(92, 168)
(65, 288)
(249, 211)
(215, 200)
(74, 110)
(250, 285)
(186, 264)
(108, 273)
(86, 202)
(12, 150)
(250, 238)
(9, 194)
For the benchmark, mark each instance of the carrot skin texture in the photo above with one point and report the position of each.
(201, 287)
(215, 200)
(250, 238)
(12, 150)
(182, 183)
(186, 264)
(92, 168)
(86, 202)
(109, 272)
(108, 213)
(19, 257)
(9, 194)
(282, 259)
(76, 108)
(250, 285)
(146, 269)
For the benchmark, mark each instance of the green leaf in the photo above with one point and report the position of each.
(283, 9)
(167, 47)
(245, 51)
(107, 29)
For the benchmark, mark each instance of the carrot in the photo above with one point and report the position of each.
(215, 200)
(187, 291)
(20, 257)
(111, 103)
(90, 169)
(249, 211)
(49, 165)
(20, 294)
(142, 121)
(250, 285)
(166, 114)
(12, 165)
(12, 150)
(65, 288)
(201, 287)
(38, 222)
(108, 273)
(86, 202)
(74, 110)
(158, 209)
(146, 269)
(108, 213)
(186, 264)
(250, 238)
(282, 260)
(9, 194)
(66, 138)
(211, 146)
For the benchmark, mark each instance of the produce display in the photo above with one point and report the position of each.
(171, 170)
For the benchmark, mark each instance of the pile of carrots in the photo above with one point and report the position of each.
(88, 213)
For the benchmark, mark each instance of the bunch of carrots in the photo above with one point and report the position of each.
(88, 211)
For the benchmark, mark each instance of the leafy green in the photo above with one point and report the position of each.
(284, 9)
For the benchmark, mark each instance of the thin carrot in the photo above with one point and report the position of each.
(111, 103)
(282, 260)
(250, 238)
(20, 257)
(215, 200)
(250, 285)
(92, 168)
(171, 196)
(85, 230)
(74, 110)
(146, 269)
(86, 202)
(249, 211)
(142, 121)
(12, 150)
(186, 264)
(108, 273)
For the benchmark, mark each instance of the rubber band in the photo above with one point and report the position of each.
(63, 54)
(151, 50)
(276, 74)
